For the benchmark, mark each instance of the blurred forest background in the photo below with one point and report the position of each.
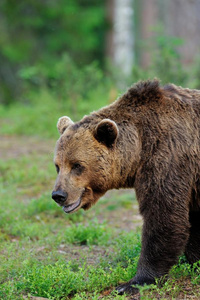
(73, 56)
(70, 57)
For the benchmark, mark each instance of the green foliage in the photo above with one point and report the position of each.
(72, 86)
(166, 61)
(62, 280)
(62, 88)
(194, 75)
(35, 33)
(51, 47)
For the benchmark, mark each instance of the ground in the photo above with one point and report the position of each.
(52, 234)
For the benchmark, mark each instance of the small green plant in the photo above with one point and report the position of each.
(130, 247)
(92, 234)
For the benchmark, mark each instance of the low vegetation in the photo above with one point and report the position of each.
(46, 253)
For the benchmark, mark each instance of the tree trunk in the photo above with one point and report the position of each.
(120, 36)
(149, 19)
(183, 20)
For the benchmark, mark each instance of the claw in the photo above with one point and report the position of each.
(127, 288)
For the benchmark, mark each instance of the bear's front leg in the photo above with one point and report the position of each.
(144, 276)
(192, 250)
(164, 237)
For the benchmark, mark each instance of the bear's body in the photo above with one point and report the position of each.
(149, 139)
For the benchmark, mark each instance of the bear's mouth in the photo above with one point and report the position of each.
(71, 207)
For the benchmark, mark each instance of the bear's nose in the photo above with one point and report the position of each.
(59, 196)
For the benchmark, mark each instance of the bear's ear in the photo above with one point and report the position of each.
(106, 132)
(63, 123)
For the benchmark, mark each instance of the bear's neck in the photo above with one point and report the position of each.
(126, 157)
(128, 146)
(126, 164)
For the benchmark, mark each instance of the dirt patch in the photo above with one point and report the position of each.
(90, 255)
(17, 146)
(123, 218)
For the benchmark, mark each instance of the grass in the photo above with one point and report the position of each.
(40, 114)
(46, 253)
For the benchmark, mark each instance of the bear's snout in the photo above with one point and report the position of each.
(59, 196)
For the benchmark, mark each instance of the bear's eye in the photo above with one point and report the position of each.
(57, 168)
(78, 168)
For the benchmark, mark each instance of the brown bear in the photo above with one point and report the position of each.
(149, 140)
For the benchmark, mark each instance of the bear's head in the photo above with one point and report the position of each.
(85, 160)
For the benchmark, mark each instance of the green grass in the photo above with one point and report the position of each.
(40, 114)
(46, 253)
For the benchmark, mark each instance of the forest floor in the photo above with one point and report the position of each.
(35, 232)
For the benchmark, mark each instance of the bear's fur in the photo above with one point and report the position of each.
(148, 139)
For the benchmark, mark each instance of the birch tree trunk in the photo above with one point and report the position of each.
(123, 35)
(120, 38)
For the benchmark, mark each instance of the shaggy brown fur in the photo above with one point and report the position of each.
(149, 139)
